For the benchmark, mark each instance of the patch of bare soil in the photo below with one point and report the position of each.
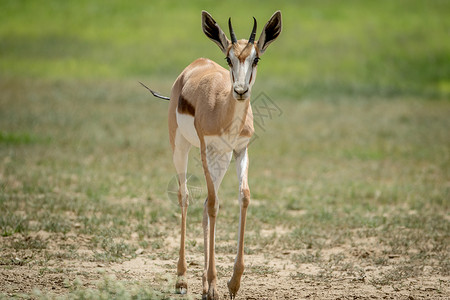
(344, 272)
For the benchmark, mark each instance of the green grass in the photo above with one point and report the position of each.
(386, 48)
(112, 288)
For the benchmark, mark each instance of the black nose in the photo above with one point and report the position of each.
(241, 93)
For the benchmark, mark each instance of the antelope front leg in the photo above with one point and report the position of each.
(244, 201)
(205, 224)
(215, 165)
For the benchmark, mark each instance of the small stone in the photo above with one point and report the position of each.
(139, 251)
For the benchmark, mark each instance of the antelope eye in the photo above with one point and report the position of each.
(229, 61)
(255, 62)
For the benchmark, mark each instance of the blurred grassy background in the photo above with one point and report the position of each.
(327, 47)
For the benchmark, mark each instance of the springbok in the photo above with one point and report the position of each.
(210, 108)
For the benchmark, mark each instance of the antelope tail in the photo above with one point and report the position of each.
(154, 93)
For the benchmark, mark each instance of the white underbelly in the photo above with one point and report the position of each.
(186, 126)
(226, 142)
(223, 143)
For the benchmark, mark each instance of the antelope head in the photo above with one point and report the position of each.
(242, 56)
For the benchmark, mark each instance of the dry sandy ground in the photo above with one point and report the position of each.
(268, 275)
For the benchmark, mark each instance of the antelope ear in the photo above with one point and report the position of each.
(213, 32)
(270, 32)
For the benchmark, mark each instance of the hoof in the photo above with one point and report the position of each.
(233, 289)
(232, 296)
(181, 286)
(213, 294)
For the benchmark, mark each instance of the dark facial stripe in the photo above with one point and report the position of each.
(245, 52)
(184, 107)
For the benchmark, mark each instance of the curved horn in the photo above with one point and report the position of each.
(252, 35)
(233, 36)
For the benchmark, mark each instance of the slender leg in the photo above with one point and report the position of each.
(244, 201)
(215, 165)
(206, 250)
(180, 160)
